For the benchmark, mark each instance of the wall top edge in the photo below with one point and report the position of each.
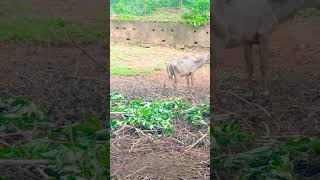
(155, 21)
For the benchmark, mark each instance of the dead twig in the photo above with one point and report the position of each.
(137, 171)
(191, 146)
(10, 162)
(250, 103)
(85, 52)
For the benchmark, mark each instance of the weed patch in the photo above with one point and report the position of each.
(157, 115)
(134, 61)
(194, 12)
(74, 151)
(128, 71)
(18, 26)
(238, 155)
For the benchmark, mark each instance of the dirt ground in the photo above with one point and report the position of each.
(151, 86)
(61, 79)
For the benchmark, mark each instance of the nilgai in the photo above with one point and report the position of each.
(184, 67)
(249, 22)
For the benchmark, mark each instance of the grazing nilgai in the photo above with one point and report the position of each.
(249, 22)
(184, 67)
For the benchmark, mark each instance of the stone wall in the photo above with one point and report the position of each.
(159, 32)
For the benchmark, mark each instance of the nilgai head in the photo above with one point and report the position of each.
(205, 59)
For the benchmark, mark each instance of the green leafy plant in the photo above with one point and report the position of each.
(194, 12)
(19, 114)
(195, 115)
(78, 150)
(237, 155)
(156, 115)
(199, 14)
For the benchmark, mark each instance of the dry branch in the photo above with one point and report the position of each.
(10, 162)
(250, 103)
(86, 53)
(191, 146)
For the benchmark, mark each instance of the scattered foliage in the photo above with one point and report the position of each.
(17, 25)
(156, 115)
(238, 155)
(78, 150)
(193, 12)
(198, 14)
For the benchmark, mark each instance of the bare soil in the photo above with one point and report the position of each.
(135, 156)
(60, 79)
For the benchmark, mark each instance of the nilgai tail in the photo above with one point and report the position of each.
(170, 75)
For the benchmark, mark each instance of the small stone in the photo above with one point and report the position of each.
(145, 45)
(180, 46)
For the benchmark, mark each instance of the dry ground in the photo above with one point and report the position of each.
(151, 86)
(61, 79)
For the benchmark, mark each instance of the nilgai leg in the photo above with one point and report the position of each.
(175, 82)
(165, 81)
(188, 77)
(192, 82)
(249, 67)
(192, 79)
(188, 81)
(264, 49)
